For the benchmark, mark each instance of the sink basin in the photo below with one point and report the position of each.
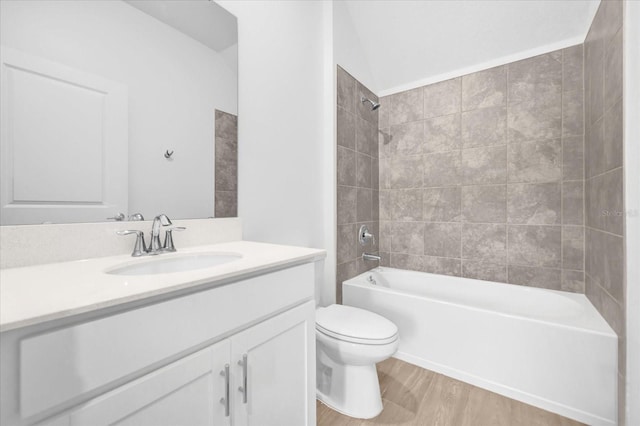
(174, 263)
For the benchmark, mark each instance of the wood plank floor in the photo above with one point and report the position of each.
(413, 396)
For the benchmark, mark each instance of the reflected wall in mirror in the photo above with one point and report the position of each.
(111, 108)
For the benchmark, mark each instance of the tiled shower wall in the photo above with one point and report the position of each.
(604, 202)
(357, 169)
(226, 164)
(482, 176)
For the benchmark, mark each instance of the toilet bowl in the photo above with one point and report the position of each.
(349, 343)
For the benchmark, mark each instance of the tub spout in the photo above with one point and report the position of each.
(367, 256)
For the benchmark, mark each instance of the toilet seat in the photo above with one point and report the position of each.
(355, 325)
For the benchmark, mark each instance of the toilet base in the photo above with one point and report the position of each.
(352, 390)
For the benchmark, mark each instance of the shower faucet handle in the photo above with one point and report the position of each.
(364, 236)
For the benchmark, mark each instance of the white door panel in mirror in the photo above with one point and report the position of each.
(178, 72)
(64, 142)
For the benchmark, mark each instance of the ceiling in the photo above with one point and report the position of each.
(411, 43)
(204, 21)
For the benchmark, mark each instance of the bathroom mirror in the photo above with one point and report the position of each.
(111, 108)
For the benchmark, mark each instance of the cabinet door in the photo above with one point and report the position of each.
(280, 378)
(187, 392)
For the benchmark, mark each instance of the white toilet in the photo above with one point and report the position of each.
(350, 341)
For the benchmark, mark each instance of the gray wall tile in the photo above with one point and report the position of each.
(442, 98)
(537, 161)
(226, 126)
(538, 118)
(535, 245)
(486, 203)
(385, 204)
(613, 141)
(518, 126)
(442, 169)
(573, 113)
(573, 247)
(366, 137)
(442, 204)
(346, 129)
(573, 158)
(358, 177)
(442, 133)
(605, 203)
(408, 237)
(486, 242)
(406, 139)
(534, 204)
(442, 239)
(594, 59)
(613, 71)
(406, 204)
(386, 229)
(384, 112)
(536, 77)
(410, 262)
(572, 281)
(226, 204)
(484, 165)
(484, 127)
(441, 265)
(346, 159)
(572, 68)
(363, 171)
(405, 172)
(406, 106)
(347, 196)
(364, 204)
(346, 88)
(535, 277)
(346, 239)
(573, 203)
(484, 89)
(594, 149)
(481, 270)
(605, 261)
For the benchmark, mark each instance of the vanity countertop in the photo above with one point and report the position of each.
(36, 294)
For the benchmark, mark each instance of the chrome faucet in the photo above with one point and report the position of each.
(140, 248)
(369, 256)
(160, 220)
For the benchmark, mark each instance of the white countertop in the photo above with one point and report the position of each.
(36, 294)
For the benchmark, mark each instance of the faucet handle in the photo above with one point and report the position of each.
(168, 238)
(140, 248)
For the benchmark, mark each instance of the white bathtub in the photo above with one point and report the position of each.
(550, 349)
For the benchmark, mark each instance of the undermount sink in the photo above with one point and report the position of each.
(174, 263)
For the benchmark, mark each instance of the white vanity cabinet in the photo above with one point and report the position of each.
(162, 363)
(185, 392)
(193, 391)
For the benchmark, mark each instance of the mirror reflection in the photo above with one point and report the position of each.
(117, 110)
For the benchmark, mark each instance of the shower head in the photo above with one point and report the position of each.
(374, 105)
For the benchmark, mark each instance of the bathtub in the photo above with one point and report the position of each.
(550, 349)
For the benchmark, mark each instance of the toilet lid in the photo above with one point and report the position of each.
(355, 324)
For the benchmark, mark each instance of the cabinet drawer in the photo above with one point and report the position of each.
(62, 365)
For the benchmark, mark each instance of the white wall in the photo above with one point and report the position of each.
(348, 50)
(172, 91)
(282, 125)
